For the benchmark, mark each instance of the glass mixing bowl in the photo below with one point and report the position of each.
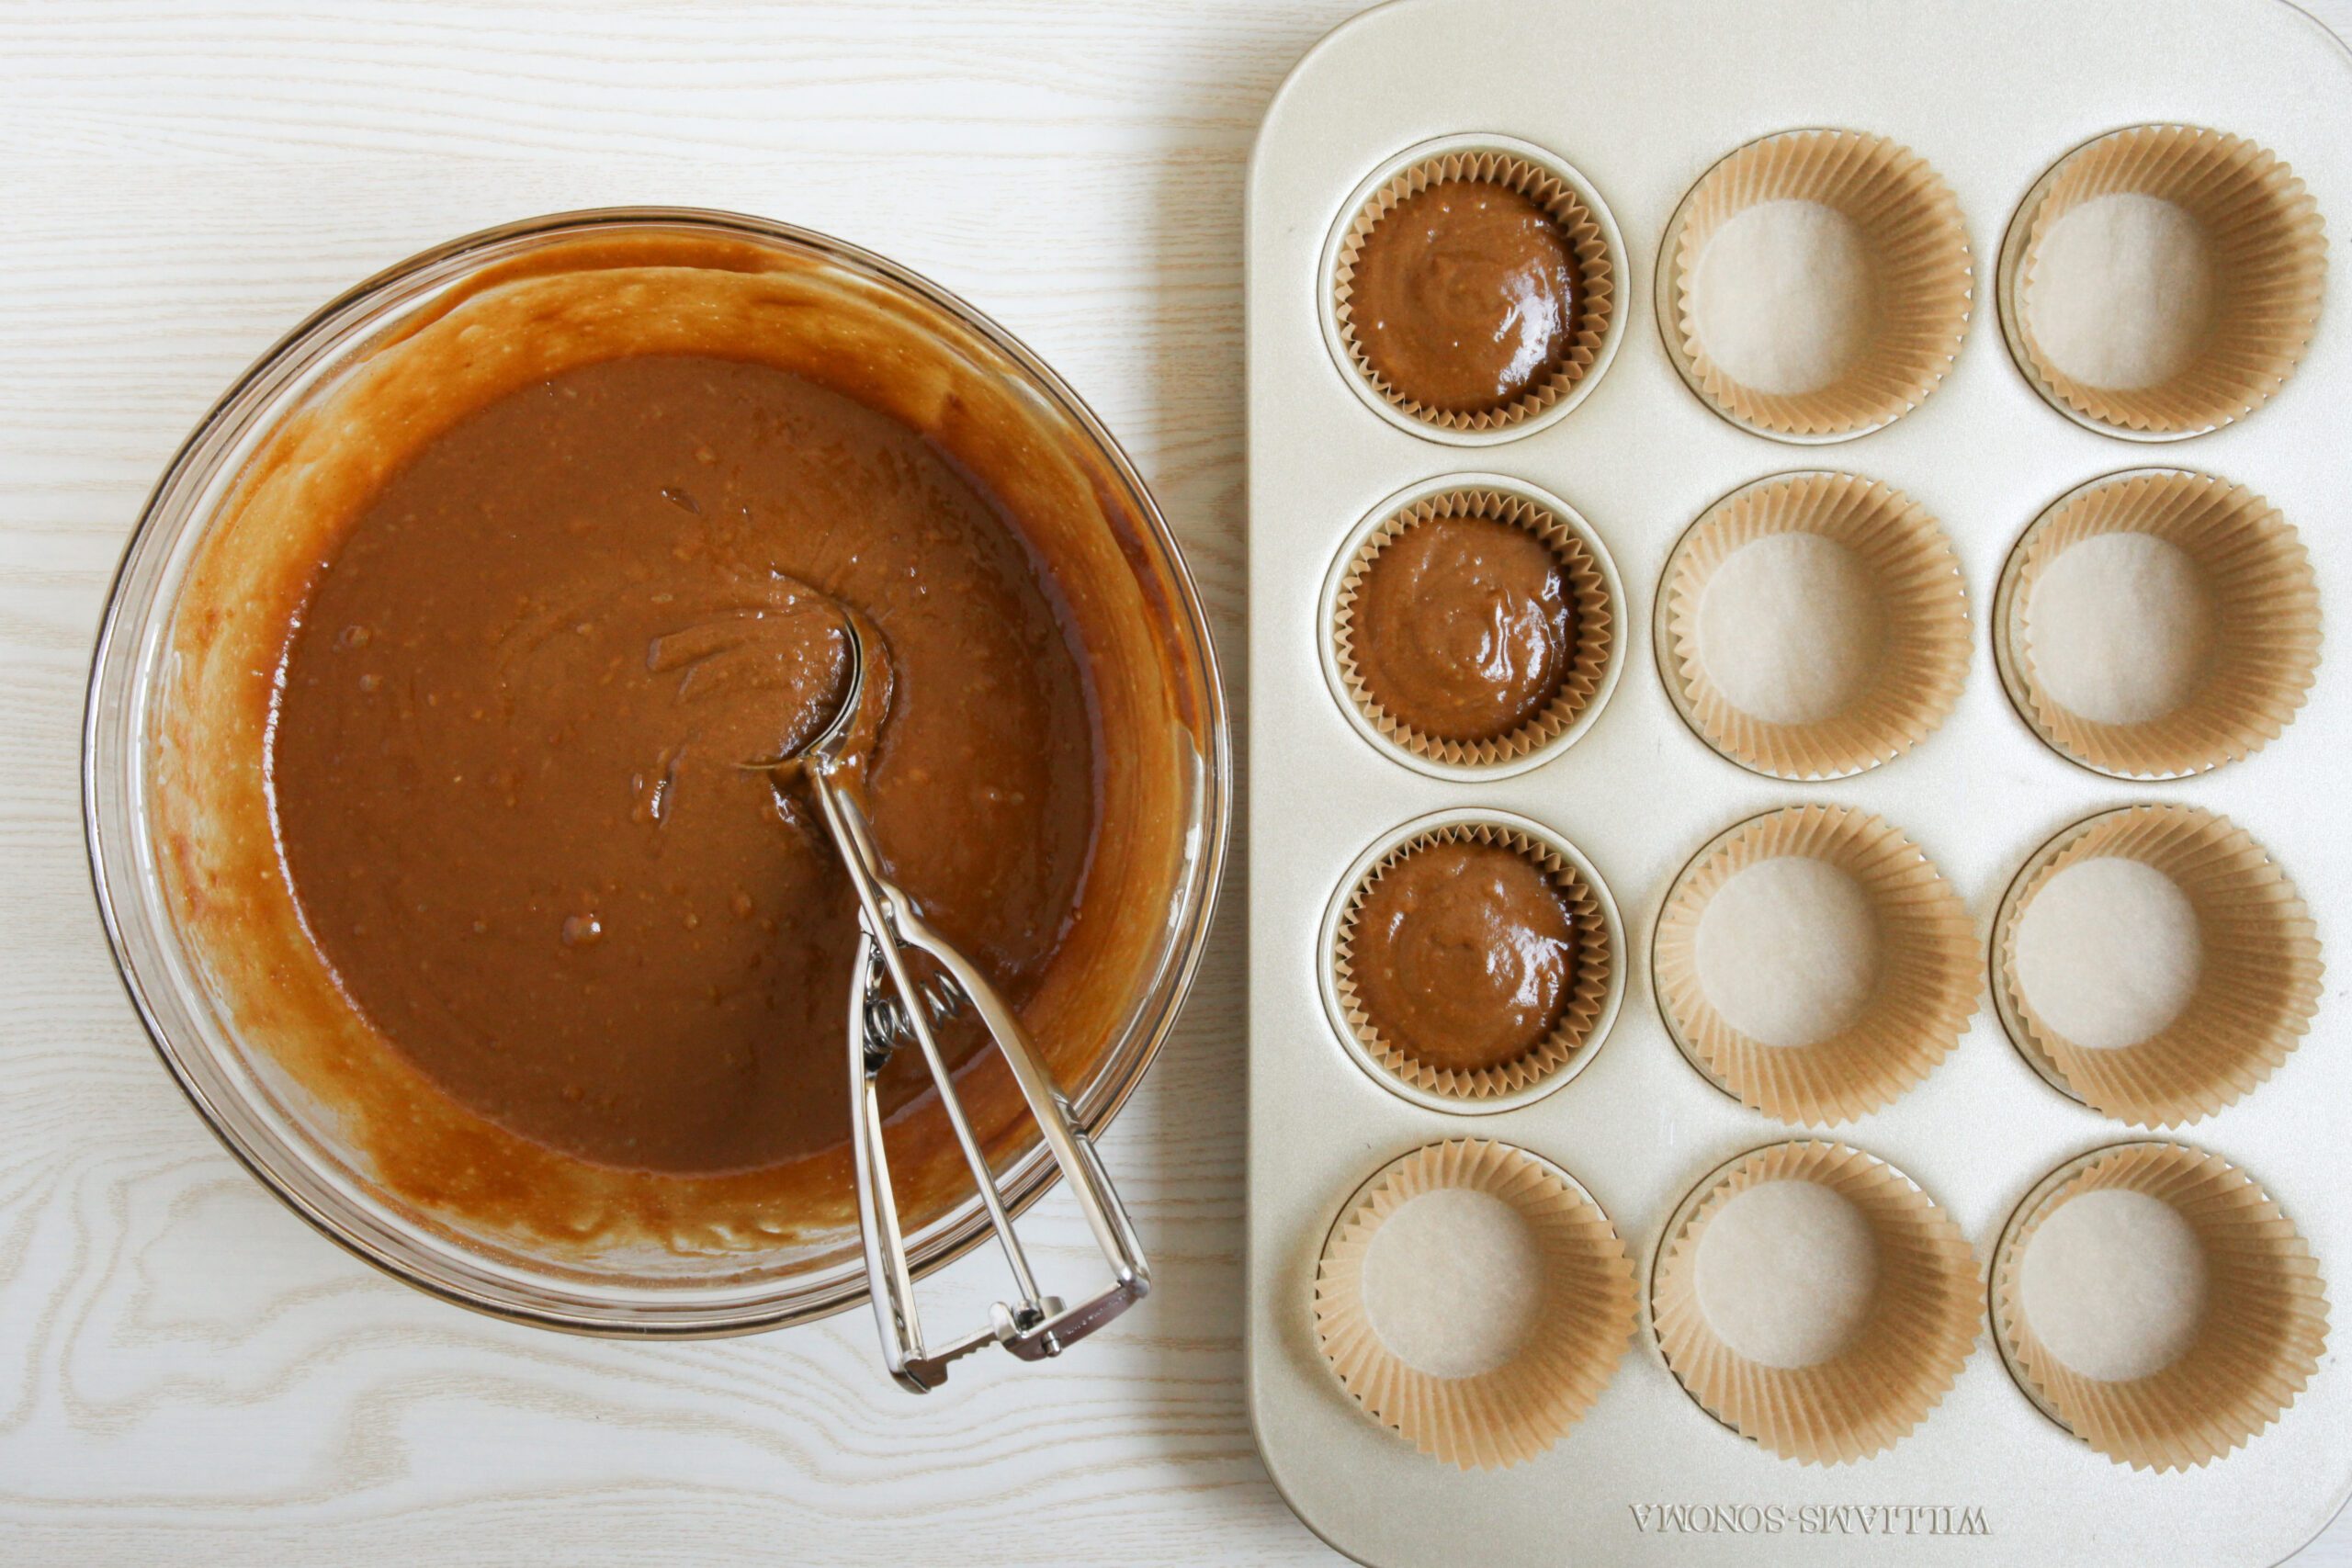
(289, 1140)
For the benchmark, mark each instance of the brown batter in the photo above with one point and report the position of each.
(1464, 627)
(444, 783)
(507, 761)
(1464, 295)
(1464, 955)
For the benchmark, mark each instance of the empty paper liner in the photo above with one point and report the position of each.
(1502, 1393)
(2185, 636)
(2254, 1333)
(1916, 1321)
(1583, 985)
(1585, 663)
(1863, 219)
(2164, 280)
(1894, 962)
(1813, 625)
(2180, 965)
(1596, 292)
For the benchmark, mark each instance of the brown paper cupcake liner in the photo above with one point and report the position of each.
(1919, 672)
(2255, 1350)
(1930, 971)
(1593, 964)
(1900, 1362)
(1597, 289)
(2265, 601)
(2256, 994)
(1517, 1410)
(1911, 227)
(2269, 263)
(1581, 683)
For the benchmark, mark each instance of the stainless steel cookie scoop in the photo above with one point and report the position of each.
(888, 1006)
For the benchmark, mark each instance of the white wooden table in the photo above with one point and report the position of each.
(188, 1374)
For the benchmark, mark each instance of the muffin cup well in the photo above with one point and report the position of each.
(1918, 1006)
(1513, 1412)
(1899, 1363)
(2255, 993)
(2256, 1344)
(1596, 991)
(2269, 259)
(2264, 600)
(1917, 249)
(1914, 682)
(1583, 220)
(1585, 685)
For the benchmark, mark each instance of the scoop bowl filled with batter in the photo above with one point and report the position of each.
(416, 781)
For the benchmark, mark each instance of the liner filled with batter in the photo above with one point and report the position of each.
(1475, 291)
(1474, 961)
(1477, 628)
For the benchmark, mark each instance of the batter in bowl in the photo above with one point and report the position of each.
(450, 799)
(508, 756)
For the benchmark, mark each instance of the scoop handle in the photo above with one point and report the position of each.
(1036, 1325)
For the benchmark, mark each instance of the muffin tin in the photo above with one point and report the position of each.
(1637, 104)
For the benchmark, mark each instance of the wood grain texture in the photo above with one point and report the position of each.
(188, 1374)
